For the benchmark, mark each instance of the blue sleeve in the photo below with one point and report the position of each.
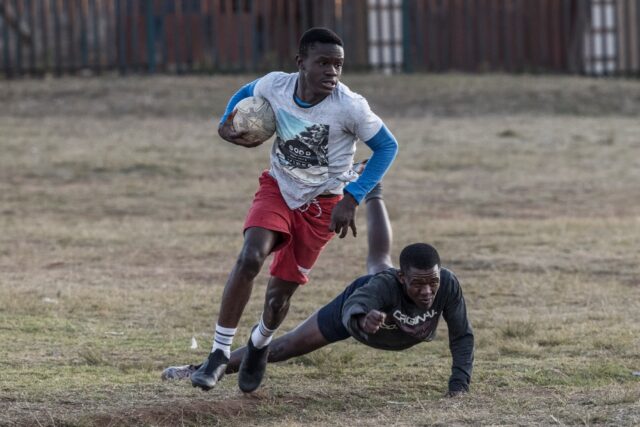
(385, 148)
(244, 92)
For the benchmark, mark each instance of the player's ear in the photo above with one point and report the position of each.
(401, 276)
(299, 61)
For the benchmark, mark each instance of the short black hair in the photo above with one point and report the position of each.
(419, 255)
(317, 35)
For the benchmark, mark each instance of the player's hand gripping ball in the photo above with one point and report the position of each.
(255, 116)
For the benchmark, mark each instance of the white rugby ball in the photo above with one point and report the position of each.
(255, 116)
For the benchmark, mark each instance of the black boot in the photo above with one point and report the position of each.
(211, 371)
(252, 367)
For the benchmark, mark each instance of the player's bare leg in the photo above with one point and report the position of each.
(258, 244)
(305, 338)
(277, 300)
(379, 234)
(276, 307)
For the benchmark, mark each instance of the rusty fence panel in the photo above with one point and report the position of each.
(170, 36)
(597, 37)
(492, 35)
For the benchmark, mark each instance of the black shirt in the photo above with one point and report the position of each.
(407, 325)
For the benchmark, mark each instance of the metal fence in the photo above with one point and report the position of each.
(599, 37)
(186, 36)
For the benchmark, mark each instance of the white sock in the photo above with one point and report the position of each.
(222, 339)
(261, 336)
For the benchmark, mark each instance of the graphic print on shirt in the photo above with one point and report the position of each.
(301, 147)
(420, 326)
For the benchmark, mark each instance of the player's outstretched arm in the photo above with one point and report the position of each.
(385, 148)
(461, 341)
(372, 321)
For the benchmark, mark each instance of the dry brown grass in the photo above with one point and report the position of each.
(120, 217)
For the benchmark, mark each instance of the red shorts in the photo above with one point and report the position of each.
(304, 231)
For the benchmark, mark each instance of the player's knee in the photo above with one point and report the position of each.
(250, 261)
(278, 302)
(376, 264)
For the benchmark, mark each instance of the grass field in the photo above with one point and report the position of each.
(121, 214)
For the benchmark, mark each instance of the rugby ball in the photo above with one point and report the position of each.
(255, 116)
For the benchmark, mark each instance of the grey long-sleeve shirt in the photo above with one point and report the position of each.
(407, 325)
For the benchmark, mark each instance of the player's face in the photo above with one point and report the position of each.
(320, 70)
(421, 285)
